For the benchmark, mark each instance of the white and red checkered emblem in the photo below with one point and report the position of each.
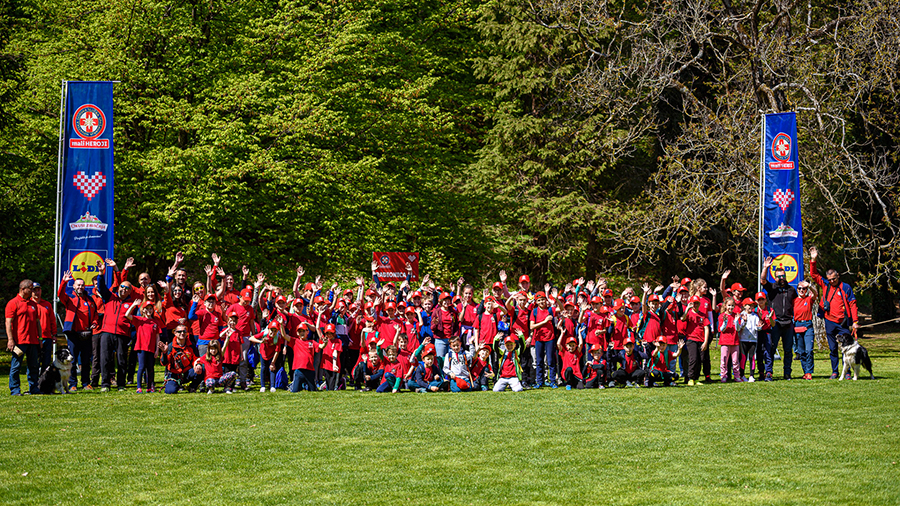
(89, 186)
(781, 147)
(783, 198)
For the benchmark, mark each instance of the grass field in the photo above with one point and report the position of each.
(819, 442)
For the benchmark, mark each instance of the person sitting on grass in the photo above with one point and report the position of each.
(659, 363)
(570, 355)
(428, 376)
(367, 373)
(630, 373)
(209, 367)
(509, 368)
(178, 358)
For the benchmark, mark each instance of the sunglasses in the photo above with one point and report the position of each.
(802, 288)
(180, 331)
(780, 276)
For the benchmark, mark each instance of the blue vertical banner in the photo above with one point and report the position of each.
(782, 226)
(86, 212)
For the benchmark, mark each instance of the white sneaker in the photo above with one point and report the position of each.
(629, 384)
(262, 390)
(228, 391)
(272, 390)
(751, 379)
(209, 391)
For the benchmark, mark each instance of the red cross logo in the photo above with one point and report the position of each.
(88, 121)
(781, 147)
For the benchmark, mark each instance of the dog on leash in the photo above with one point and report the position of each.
(854, 356)
(56, 376)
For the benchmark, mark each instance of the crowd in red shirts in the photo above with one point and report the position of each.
(220, 333)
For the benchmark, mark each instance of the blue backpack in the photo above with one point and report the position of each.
(281, 379)
(253, 357)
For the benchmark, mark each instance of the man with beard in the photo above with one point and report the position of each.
(781, 299)
(81, 319)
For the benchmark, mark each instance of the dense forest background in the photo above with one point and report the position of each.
(558, 138)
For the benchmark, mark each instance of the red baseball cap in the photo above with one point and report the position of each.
(683, 289)
(498, 284)
(629, 340)
(603, 310)
(653, 298)
(618, 304)
(297, 301)
(509, 339)
(330, 329)
(390, 305)
(428, 349)
(280, 298)
(695, 298)
(635, 300)
(737, 287)
(596, 299)
(212, 296)
(274, 324)
(411, 310)
(748, 301)
(348, 291)
(685, 281)
(524, 279)
(486, 346)
(247, 294)
(490, 298)
(444, 295)
(761, 295)
(571, 340)
(390, 284)
(310, 286)
(416, 294)
(540, 295)
(596, 348)
(318, 299)
(607, 293)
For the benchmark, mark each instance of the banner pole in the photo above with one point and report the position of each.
(762, 193)
(59, 174)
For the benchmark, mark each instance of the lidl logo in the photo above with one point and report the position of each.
(84, 266)
(788, 263)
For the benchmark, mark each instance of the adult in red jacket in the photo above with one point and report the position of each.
(81, 319)
(48, 325)
(23, 337)
(837, 301)
(115, 332)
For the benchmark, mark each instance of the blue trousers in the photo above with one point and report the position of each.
(82, 350)
(305, 378)
(387, 383)
(784, 332)
(545, 353)
(32, 363)
(442, 385)
(46, 352)
(145, 363)
(455, 388)
(804, 345)
(189, 377)
(832, 331)
(441, 347)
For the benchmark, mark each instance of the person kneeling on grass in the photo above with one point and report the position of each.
(570, 354)
(456, 367)
(392, 371)
(481, 367)
(428, 376)
(631, 358)
(209, 367)
(510, 370)
(270, 342)
(178, 357)
(302, 364)
(594, 372)
(659, 363)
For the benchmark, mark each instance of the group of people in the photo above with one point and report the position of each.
(387, 337)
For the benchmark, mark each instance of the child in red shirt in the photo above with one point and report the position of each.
(659, 363)
(729, 341)
(209, 367)
(147, 329)
(302, 364)
(481, 367)
(541, 323)
(697, 338)
(594, 372)
(270, 342)
(331, 347)
(393, 372)
(571, 362)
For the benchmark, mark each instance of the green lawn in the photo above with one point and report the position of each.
(819, 442)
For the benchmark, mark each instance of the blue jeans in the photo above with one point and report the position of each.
(264, 373)
(804, 344)
(304, 378)
(145, 363)
(455, 388)
(387, 384)
(413, 385)
(673, 349)
(832, 331)
(46, 352)
(785, 332)
(545, 353)
(32, 362)
(82, 349)
(188, 378)
(441, 347)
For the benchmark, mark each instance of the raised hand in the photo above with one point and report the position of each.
(359, 281)
(195, 299)
(215, 259)
(220, 271)
(554, 292)
(260, 278)
(374, 266)
(101, 267)
(675, 282)
(319, 282)
(162, 284)
(110, 262)
(208, 270)
(484, 294)
(129, 263)
(408, 267)
(645, 287)
(726, 273)
(67, 276)
(568, 288)
(426, 279)
(713, 292)
(590, 286)
(769, 261)
(503, 277)
(179, 257)
(245, 270)
(601, 282)
(300, 271)
(658, 288)
(813, 253)
(579, 281)
(460, 281)
(546, 287)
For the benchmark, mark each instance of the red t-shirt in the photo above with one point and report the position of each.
(654, 327)
(764, 317)
(670, 327)
(396, 368)
(47, 318)
(803, 308)
(304, 351)
(520, 322)
(212, 368)
(387, 329)
(147, 333)
(508, 366)
(571, 360)
(695, 324)
(232, 353)
(467, 314)
(246, 315)
(331, 355)
(24, 314)
(729, 336)
(620, 333)
(659, 361)
(631, 363)
(544, 332)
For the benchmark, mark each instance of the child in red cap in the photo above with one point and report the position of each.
(594, 372)
(697, 331)
(427, 376)
(748, 324)
(570, 354)
(729, 341)
(510, 373)
(630, 373)
(331, 347)
(481, 367)
(659, 363)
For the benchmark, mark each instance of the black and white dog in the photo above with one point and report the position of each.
(56, 376)
(854, 356)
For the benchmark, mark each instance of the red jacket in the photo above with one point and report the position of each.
(114, 319)
(81, 312)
